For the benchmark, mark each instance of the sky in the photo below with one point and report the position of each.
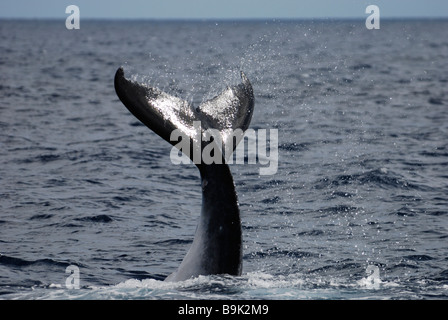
(223, 9)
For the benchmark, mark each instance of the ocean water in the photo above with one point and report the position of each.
(358, 208)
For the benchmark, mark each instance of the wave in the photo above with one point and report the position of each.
(102, 218)
(43, 216)
(418, 257)
(252, 285)
(277, 253)
(382, 178)
(340, 209)
(18, 262)
(294, 146)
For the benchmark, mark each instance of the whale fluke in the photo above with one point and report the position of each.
(216, 247)
(163, 113)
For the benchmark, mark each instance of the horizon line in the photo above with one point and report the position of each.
(223, 19)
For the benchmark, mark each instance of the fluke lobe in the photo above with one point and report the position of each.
(217, 244)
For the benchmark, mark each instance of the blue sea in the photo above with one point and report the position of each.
(358, 208)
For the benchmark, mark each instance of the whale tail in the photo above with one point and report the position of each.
(229, 113)
(217, 245)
